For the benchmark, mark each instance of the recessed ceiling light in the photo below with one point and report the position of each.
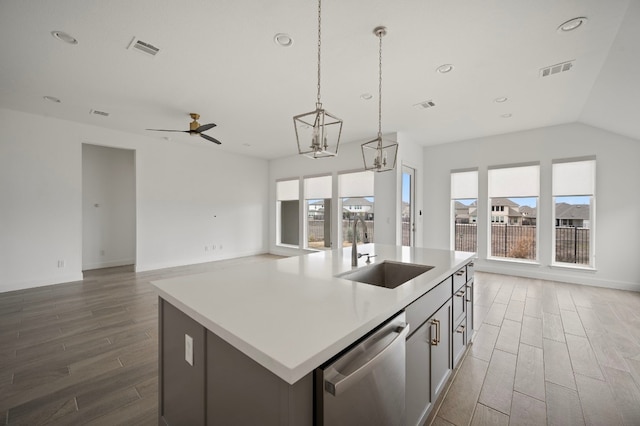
(507, 115)
(572, 24)
(62, 36)
(283, 40)
(52, 99)
(366, 96)
(500, 99)
(445, 68)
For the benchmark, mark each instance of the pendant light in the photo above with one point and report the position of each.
(318, 132)
(380, 154)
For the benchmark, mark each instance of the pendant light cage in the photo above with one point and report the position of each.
(318, 132)
(380, 154)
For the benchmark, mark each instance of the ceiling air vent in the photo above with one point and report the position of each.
(96, 112)
(425, 105)
(144, 47)
(556, 69)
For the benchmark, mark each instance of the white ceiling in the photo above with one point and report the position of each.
(218, 58)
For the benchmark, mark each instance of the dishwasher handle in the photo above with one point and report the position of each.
(344, 382)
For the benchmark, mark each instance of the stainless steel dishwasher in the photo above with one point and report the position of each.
(366, 384)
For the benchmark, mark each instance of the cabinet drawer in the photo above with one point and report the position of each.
(460, 277)
(459, 301)
(459, 342)
(471, 267)
(427, 304)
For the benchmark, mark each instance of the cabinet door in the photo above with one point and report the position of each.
(440, 345)
(418, 391)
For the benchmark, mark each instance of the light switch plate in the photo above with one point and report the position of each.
(188, 349)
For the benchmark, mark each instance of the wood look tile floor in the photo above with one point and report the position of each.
(544, 353)
(547, 353)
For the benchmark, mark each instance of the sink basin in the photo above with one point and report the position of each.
(386, 274)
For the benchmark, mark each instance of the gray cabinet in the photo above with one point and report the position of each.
(440, 322)
(428, 362)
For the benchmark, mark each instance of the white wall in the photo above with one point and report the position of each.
(387, 186)
(108, 207)
(190, 194)
(617, 202)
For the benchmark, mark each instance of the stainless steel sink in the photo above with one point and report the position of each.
(387, 274)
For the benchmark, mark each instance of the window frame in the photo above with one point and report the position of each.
(279, 200)
(466, 187)
(494, 190)
(592, 213)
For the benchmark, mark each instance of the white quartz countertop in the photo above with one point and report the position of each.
(292, 315)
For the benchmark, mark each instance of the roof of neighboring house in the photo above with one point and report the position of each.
(356, 202)
(528, 211)
(499, 201)
(514, 211)
(572, 211)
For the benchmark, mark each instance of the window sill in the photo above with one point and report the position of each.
(288, 246)
(574, 267)
(514, 260)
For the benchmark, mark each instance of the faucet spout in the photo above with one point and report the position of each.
(354, 247)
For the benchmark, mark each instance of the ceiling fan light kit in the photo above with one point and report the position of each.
(318, 132)
(380, 154)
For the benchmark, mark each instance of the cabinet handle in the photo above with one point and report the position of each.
(460, 329)
(461, 293)
(470, 265)
(434, 342)
(460, 272)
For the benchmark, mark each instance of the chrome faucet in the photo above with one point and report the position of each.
(354, 248)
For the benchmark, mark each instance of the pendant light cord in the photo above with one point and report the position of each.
(319, 45)
(380, 34)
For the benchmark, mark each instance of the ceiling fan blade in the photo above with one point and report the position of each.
(205, 127)
(163, 130)
(209, 138)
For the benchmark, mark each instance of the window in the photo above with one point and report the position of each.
(574, 201)
(464, 205)
(356, 193)
(513, 197)
(287, 196)
(317, 194)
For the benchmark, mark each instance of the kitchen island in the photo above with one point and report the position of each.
(263, 329)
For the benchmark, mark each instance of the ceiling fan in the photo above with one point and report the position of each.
(195, 129)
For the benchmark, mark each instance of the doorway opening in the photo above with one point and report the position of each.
(108, 207)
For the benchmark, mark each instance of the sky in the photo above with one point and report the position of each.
(406, 180)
